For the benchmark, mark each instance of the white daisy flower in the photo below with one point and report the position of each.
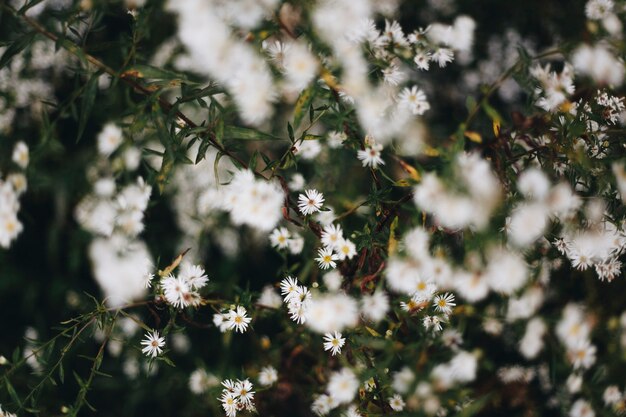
(334, 342)
(370, 156)
(311, 202)
(326, 258)
(238, 320)
(444, 303)
(153, 344)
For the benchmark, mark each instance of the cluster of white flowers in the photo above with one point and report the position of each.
(256, 203)
(341, 389)
(182, 290)
(453, 209)
(115, 215)
(529, 219)
(599, 63)
(331, 312)
(107, 212)
(297, 297)
(554, 88)
(460, 369)
(336, 247)
(197, 199)
(236, 318)
(598, 247)
(237, 396)
(230, 61)
(382, 117)
(22, 82)
(574, 330)
(612, 106)
(11, 188)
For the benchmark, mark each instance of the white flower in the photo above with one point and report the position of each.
(506, 271)
(147, 279)
(332, 236)
(334, 342)
(269, 297)
(444, 303)
(442, 56)
(238, 320)
(153, 344)
(335, 139)
(243, 389)
(299, 65)
(612, 395)
(280, 238)
(220, 320)
(326, 258)
(532, 342)
(20, 154)
(200, 381)
(415, 100)
(296, 244)
(342, 386)
(599, 9)
(109, 139)
(268, 376)
(289, 288)
(331, 312)
(310, 202)
(297, 182)
(582, 355)
(402, 380)
(396, 403)
(333, 280)
(374, 307)
(323, 404)
(176, 291)
(422, 60)
(346, 249)
(370, 156)
(194, 275)
(229, 403)
(581, 408)
(276, 51)
(256, 203)
(574, 383)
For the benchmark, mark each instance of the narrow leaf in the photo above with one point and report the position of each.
(89, 97)
(16, 47)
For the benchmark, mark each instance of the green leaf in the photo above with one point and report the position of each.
(244, 133)
(16, 47)
(89, 97)
(290, 132)
(198, 93)
(492, 112)
(12, 392)
(303, 103)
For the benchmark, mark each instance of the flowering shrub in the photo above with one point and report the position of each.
(326, 207)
